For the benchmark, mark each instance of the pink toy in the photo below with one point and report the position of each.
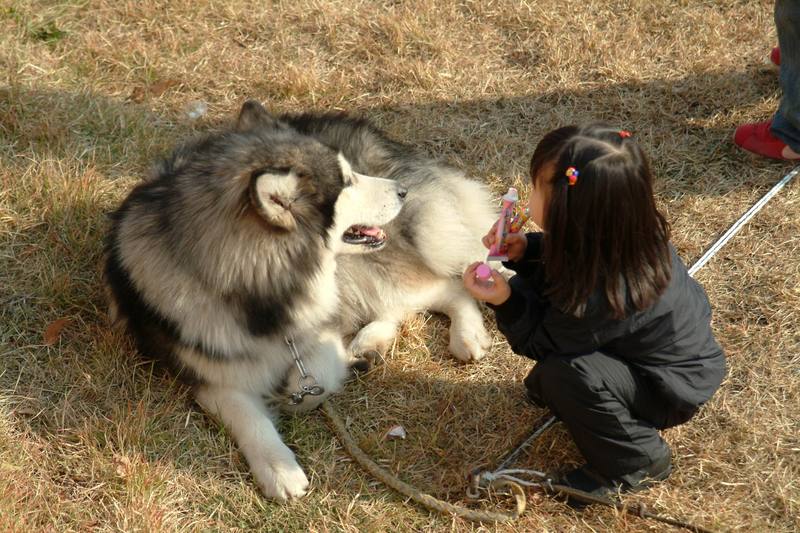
(483, 275)
(511, 221)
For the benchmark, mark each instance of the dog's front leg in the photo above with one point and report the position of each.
(469, 339)
(374, 339)
(272, 463)
(327, 362)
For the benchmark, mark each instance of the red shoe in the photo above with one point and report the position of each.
(757, 138)
(775, 56)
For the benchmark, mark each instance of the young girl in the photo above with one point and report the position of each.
(620, 332)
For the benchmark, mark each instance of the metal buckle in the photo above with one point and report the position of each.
(307, 384)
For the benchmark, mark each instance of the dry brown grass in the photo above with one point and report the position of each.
(93, 90)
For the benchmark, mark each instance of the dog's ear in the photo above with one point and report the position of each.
(272, 193)
(254, 115)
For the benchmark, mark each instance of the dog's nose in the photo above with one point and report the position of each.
(401, 192)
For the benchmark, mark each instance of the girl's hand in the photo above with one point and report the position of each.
(516, 243)
(495, 294)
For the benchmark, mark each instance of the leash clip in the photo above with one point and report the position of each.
(476, 482)
(306, 384)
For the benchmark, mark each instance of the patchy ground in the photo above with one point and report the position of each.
(93, 90)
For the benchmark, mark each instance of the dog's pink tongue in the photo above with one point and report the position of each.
(372, 231)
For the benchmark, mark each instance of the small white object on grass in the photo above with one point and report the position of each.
(196, 109)
(395, 432)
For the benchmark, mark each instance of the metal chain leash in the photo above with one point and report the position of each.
(306, 383)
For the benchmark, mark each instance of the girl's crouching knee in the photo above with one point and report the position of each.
(550, 380)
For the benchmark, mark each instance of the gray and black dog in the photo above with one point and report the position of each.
(249, 254)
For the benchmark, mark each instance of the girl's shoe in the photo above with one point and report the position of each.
(757, 138)
(775, 56)
(585, 479)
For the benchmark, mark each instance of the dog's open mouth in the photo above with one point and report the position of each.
(369, 236)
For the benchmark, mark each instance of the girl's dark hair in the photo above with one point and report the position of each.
(604, 232)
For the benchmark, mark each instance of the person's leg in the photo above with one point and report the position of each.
(786, 122)
(779, 138)
(610, 411)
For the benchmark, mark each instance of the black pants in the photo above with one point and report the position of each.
(611, 411)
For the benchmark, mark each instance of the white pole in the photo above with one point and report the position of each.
(734, 229)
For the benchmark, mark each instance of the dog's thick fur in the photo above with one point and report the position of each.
(232, 247)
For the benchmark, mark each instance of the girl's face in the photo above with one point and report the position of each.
(540, 188)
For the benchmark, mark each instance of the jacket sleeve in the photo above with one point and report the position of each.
(530, 263)
(536, 329)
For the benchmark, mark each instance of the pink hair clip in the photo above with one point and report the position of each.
(624, 134)
(572, 175)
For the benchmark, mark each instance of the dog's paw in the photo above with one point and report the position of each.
(373, 340)
(281, 481)
(363, 364)
(469, 344)
(484, 339)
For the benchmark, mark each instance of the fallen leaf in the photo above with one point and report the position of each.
(157, 89)
(53, 330)
(25, 410)
(139, 94)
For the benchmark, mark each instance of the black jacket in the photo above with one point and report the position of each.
(671, 342)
